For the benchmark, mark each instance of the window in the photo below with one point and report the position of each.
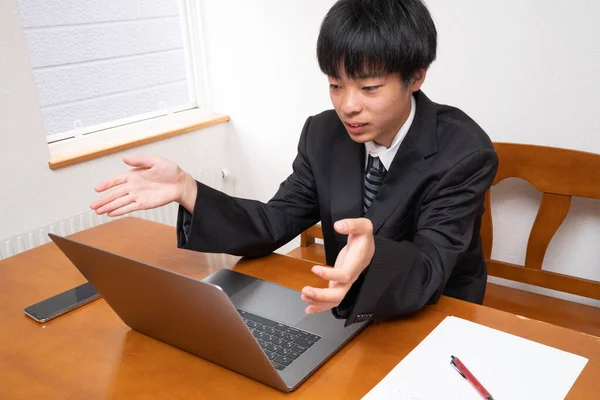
(103, 64)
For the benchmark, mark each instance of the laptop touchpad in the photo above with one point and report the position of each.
(271, 301)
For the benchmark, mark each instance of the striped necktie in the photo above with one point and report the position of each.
(374, 174)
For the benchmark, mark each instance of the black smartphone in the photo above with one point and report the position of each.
(62, 303)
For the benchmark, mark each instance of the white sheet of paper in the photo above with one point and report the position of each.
(508, 366)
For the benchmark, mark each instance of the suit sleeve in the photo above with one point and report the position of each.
(405, 276)
(225, 224)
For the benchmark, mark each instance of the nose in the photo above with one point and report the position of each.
(351, 103)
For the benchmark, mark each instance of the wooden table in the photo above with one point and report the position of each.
(91, 354)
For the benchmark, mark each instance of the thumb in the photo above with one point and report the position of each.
(139, 162)
(357, 226)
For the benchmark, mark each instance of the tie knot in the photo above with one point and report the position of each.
(374, 165)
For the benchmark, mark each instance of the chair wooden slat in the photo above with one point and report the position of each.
(315, 231)
(545, 279)
(306, 240)
(550, 169)
(487, 228)
(550, 216)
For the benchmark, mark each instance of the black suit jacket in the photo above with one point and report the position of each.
(426, 216)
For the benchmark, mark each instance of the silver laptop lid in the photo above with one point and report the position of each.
(184, 312)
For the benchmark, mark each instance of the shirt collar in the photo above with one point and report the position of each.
(387, 154)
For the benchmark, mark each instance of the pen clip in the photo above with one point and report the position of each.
(456, 368)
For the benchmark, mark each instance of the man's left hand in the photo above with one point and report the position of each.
(352, 260)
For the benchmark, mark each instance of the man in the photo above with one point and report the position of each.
(397, 181)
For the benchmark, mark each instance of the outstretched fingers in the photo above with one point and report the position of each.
(101, 202)
(115, 204)
(332, 295)
(133, 206)
(111, 183)
(337, 274)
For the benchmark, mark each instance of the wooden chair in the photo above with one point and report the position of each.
(559, 174)
(549, 170)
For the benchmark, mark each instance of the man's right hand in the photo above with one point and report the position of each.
(153, 182)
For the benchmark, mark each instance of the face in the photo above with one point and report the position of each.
(373, 108)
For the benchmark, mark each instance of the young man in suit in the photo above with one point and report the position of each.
(397, 181)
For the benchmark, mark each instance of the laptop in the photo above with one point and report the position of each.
(248, 325)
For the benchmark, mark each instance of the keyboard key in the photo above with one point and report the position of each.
(289, 337)
(303, 334)
(278, 341)
(303, 342)
(283, 360)
(270, 330)
(293, 331)
(293, 355)
(267, 337)
(270, 354)
(257, 334)
(251, 324)
(281, 327)
(277, 366)
(272, 347)
(299, 349)
(256, 318)
(261, 328)
(283, 351)
(313, 338)
(242, 312)
(278, 334)
(263, 344)
(287, 345)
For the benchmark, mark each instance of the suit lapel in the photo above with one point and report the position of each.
(396, 186)
(407, 168)
(347, 166)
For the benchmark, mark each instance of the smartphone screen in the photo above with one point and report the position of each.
(61, 303)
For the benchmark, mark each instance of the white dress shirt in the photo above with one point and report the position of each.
(387, 154)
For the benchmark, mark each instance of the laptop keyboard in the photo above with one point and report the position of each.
(281, 343)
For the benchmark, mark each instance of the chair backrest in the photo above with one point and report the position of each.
(559, 174)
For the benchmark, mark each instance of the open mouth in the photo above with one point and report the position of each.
(355, 128)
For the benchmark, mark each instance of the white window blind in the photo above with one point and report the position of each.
(99, 64)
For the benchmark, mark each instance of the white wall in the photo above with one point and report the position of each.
(264, 74)
(527, 71)
(32, 195)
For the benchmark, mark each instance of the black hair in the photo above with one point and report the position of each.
(376, 37)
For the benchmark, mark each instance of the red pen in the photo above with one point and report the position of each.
(460, 367)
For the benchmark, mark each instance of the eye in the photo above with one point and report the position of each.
(371, 88)
(333, 86)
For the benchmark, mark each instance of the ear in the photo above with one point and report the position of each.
(418, 79)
